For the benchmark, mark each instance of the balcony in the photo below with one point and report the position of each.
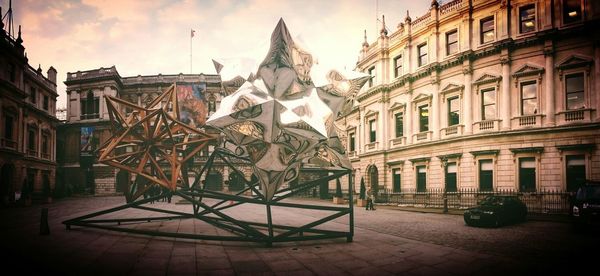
(45, 156)
(6, 143)
(31, 152)
(575, 116)
(453, 130)
(527, 121)
(397, 142)
(371, 146)
(422, 136)
(352, 154)
(486, 126)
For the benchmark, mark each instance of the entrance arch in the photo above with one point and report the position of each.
(373, 176)
(7, 174)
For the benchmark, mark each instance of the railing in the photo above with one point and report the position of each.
(527, 120)
(89, 116)
(45, 155)
(6, 143)
(450, 6)
(544, 202)
(452, 130)
(371, 146)
(421, 21)
(422, 136)
(485, 125)
(398, 141)
(574, 115)
(31, 152)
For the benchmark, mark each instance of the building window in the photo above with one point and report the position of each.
(372, 131)
(211, 104)
(487, 30)
(486, 175)
(399, 124)
(571, 11)
(488, 104)
(8, 127)
(527, 18)
(421, 179)
(422, 51)
(423, 118)
(90, 107)
(575, 172)
(46, 103)
(12, 72)
(398, 66)
(372, 74)
(527, 174)
(396, 180)
(352, 142)
(451, 169)
(574, 91)
(31, 139)
(451, 42)
(529, 102)
(33, 95)
(453, 111)
(45, 148)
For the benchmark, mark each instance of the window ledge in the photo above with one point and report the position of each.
(422, 136)
(399, 141)
(527, 121)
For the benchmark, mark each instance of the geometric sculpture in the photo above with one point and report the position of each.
(147, 141)
(280, 122)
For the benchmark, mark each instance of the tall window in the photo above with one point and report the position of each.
(399, 124)
(352, 142)
(451, 42)
(571, 11)
(396, 180)
(487, 30)
(527, 18)
(451, 170)
(31, 139)
(8, 127)
(46, 102)
(90, 106)
(529, 102)
(12, 72)
(372, 74)
(372, 131)
(398, 66)
(575, 172)
(488, 104)
(486, 175)
(423, 118)
(33, 95)
(453, 111)
(527, 174)
(422, 51)
(421, 178)
(45, 148)
(574, 87)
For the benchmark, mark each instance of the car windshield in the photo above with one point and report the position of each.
(492, 201)
(589, 192)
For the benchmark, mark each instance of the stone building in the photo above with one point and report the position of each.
(87, 123)
(485, 95)
(27, 123)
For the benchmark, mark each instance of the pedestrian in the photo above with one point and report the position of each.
(370, 200)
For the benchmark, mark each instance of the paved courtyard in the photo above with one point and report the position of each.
(386, 242)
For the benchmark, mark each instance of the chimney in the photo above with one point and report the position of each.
(52, 74)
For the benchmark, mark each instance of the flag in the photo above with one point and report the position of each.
(218, 66)
(192, 33)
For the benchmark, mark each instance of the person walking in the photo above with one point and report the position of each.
(370, 200)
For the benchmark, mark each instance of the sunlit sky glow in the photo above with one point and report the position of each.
(152, 37)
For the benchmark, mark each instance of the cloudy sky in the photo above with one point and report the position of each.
(148, 37)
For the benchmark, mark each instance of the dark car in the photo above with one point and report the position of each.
(496, 210)
(586, 204)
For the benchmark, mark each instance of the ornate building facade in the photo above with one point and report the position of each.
(485, 95)
(87, 123)
(27, 123)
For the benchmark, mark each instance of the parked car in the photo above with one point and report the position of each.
(496, 210)
(586, 204)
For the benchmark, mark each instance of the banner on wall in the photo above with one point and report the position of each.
(86, 143)
(192, 104)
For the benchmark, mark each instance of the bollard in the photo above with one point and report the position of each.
(44, 228)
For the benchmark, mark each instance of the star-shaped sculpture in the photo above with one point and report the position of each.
(281, 120)
(151, 141)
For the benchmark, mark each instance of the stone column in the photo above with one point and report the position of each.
(384, 125)
(408, 111)
(434, 111)
(467, 100)
(506, 100)
(361, 131)
(549, 93)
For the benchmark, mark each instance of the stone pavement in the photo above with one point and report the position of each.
(86, 251)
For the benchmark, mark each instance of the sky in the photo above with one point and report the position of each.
(148, 37)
